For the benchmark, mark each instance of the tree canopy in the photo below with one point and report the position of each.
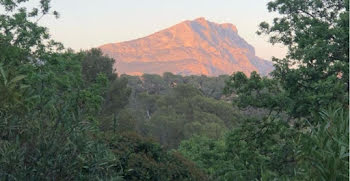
(315, 72)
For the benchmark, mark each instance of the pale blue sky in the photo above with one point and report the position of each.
(90, 23)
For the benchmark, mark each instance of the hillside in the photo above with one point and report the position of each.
(197, 47)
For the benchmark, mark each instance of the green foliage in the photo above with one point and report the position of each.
(51, 106)
(48, 136)
(67, 116)
(125, 122)
(315, 72)
(248, 152)
(94, 63)
(258, 92)
(274, 150)
(207, 153)
(314, 75)
(258, 146)
(155, 84)
(180, 114)
(324, 149)
(11, 90)
(117, 97)
(20, 32)
(141, 159)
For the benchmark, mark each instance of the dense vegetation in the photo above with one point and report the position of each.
(305, 135)
(67, 115)
(173, 108)
(57, 112)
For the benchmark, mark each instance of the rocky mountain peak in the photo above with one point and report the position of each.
(190, 47)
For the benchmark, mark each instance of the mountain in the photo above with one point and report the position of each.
(188, 48)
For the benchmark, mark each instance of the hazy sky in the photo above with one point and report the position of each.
(90, 23)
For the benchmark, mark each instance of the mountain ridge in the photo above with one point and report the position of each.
(188, 48)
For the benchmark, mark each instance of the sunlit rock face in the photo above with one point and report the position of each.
(197, 47)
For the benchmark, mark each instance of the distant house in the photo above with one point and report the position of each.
(173, 84)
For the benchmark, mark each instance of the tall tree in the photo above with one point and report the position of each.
(315, 71)
(47, 113)
(116, 99)
(95, 63)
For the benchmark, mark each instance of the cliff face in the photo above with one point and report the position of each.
(191, 47)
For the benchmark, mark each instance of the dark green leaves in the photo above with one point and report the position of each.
(317, 36)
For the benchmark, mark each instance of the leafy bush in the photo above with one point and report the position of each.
(142, 159)
(272, 149)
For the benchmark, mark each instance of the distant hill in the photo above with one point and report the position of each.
(197, 47)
